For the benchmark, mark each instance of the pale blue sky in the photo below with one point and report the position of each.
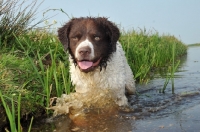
(180, 18)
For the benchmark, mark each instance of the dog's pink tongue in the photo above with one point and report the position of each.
(85, 64)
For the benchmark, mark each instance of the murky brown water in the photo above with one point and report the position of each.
(153, 111)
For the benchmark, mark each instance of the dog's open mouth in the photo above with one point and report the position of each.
(86, 64)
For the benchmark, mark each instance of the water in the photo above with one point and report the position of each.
(153, 111)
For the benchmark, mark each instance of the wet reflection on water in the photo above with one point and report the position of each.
(115, 121)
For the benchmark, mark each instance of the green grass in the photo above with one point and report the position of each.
(171, 70)
(15, 124)
(49, 63)
(35, 69)
(147, 51)
(11, 113)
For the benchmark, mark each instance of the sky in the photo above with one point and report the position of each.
(180, 18)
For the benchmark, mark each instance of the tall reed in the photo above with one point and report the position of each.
(16, 17)
(54, 76)
(11, 113)
(146, 51)
(171, 71)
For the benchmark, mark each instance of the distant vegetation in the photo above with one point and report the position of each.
(196, 44)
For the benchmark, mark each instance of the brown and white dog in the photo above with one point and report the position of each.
(97, 60)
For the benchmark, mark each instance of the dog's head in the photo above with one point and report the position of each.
(90, 41)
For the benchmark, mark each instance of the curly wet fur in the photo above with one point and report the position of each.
(115, 78)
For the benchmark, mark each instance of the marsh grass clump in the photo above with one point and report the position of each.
(14, 112)
(147, 51)
(49, 62)
(32, 64)
(16, 17)
(36, 68)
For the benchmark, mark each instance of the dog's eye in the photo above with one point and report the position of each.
(75, 38)
(96, 38)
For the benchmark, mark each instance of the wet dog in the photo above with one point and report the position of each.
(97, 60)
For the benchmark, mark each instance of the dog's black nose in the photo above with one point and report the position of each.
(84, 51)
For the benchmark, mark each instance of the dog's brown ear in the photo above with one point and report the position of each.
(111, 30)
(63, 34)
